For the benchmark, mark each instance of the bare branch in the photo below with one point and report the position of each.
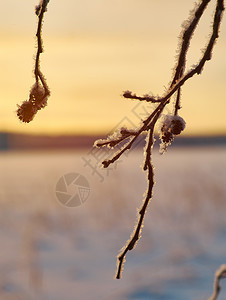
(179, 80)
(143, 128)
(137, 231)
(172, 124)
(187, 35)
(39, 93)
(220, 274)
(147, 98)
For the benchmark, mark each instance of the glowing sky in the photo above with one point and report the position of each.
(94, 50)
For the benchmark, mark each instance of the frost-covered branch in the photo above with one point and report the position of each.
(39, 92)
(131, 243)
(147, 98)
(171, 124)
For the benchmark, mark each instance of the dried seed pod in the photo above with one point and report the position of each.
(177, 125)
(38, 96)
(26, 111)
(171, 125)
(167, 137)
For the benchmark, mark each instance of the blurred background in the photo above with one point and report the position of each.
(95, 50)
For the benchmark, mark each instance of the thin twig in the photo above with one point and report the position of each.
(136, 234)
(147, 98)
(40, 49)
(39, 92)
(177, 105)
(143, 128)
(111, 142)
(178, 81)
(186, 41)
(220, 274)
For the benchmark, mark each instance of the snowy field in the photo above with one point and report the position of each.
(50, 251)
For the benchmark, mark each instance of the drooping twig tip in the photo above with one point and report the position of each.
(39, 92)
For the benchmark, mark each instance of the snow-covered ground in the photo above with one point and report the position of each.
(49, 251)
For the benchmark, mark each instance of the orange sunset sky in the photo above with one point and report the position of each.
(95, 50)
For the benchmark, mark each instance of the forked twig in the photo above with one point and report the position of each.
(39, 92)
(171, 125)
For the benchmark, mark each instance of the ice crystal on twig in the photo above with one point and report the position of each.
(116, 138)
(146, 97)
